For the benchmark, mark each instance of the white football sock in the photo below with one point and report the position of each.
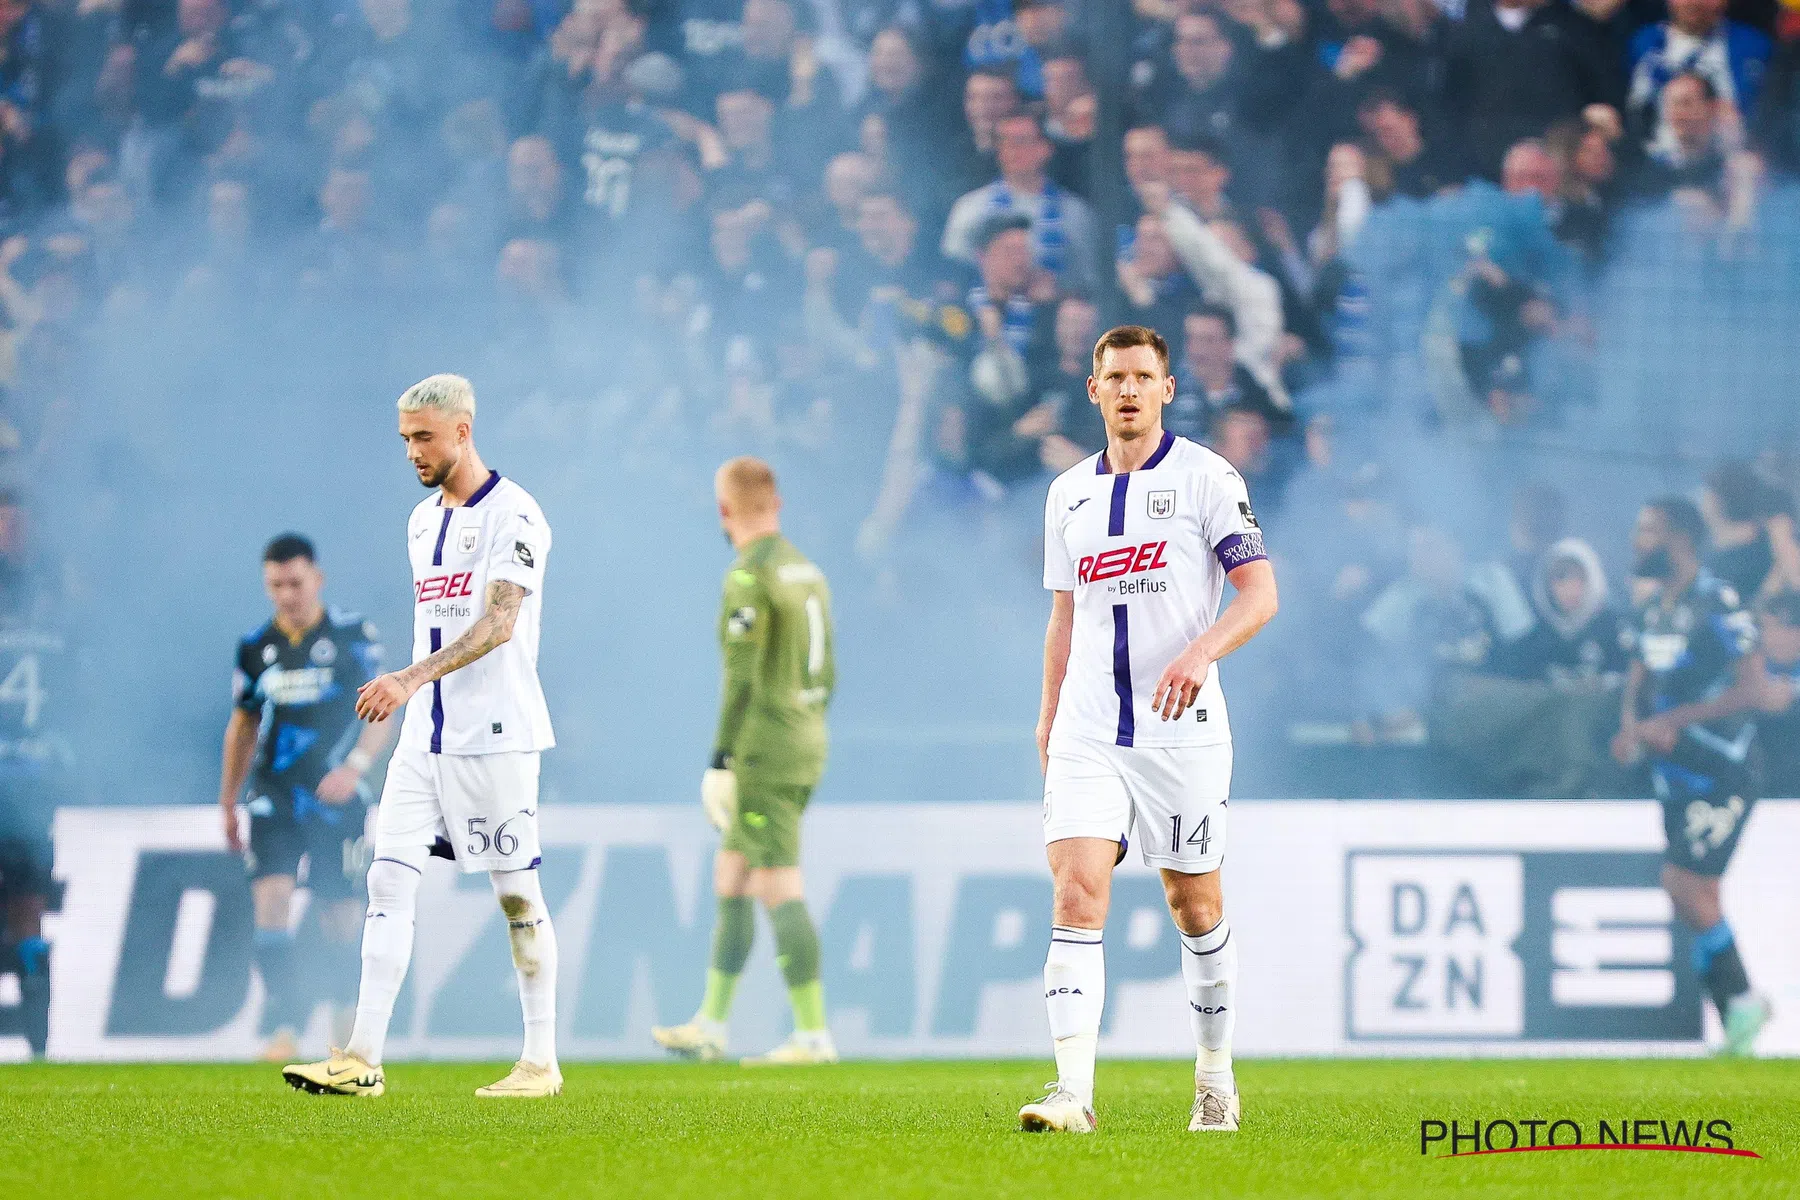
(1209, 968)
(533, 941)
(386, 949)
(1075, 993)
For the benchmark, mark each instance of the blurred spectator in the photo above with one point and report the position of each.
(748, 280)
(1198, 175)
(1691, 149)
(1364, 54)
(1079, 428)
(756, 167)
(1146, 157)
(1515, 67)
(1392, 126)
(1010, 36)
(1156, 290)
(346, 250)
(1242, 437)
(914, 110)
(1220, 257)
(1778, 619)
(1209, 380)
(849, 178)
(1015, 342)
(1576, 640)
(1070, 109)
(1697, 40)
(989, 96)
(1062, 226)
(776, 61)
(536, 208)
(1588, 169)
(888, 289)
(1750, 523)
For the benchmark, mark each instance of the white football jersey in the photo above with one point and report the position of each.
(494, 703)
(1146, 554)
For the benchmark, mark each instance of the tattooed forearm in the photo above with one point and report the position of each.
(493, 628)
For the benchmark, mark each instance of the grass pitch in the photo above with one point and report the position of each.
(878, 1130)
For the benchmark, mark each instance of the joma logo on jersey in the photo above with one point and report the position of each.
(1126, 560)
(445, 587)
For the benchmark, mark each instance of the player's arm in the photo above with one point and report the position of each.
(1744, 695)
(340, 782)
(384, 695)
(1625, 742)
(1236, 539)
(1056, 665)
(743, 634)
(240, 748)
(1250, 609)
(240, 744)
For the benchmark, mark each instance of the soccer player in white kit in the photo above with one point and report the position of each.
(463, 782)
(1133, 735)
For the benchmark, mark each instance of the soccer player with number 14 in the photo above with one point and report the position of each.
(1138, 543)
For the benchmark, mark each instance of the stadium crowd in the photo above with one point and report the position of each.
(886, 233)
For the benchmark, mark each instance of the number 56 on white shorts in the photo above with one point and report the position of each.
(484, 805)
(1171, 801)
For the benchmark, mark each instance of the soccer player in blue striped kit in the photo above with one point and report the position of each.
(1133, 735)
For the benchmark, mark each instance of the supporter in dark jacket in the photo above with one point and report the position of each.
(1517, 66)
(1576, 638)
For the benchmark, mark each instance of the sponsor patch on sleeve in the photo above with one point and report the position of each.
(741, 621)
(523, 555)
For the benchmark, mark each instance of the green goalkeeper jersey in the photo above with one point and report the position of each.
(775, 628)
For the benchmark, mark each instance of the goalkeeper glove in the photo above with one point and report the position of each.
(718, 794)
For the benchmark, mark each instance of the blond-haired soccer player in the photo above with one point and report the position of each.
(1132, 735)
(775, 629)
(463, 782)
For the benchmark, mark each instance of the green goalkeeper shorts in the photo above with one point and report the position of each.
(767, 829)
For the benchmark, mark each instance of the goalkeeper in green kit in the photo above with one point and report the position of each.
(775, 628)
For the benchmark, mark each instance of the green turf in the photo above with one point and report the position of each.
(876, 1130)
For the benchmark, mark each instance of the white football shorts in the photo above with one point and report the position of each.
(1171, 801)
(484, 805)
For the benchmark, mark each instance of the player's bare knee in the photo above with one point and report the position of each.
(1196, 915)
(1081, 901)
(731, 875)
(775, 886)
(1195, 901)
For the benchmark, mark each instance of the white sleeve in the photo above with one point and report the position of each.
(1059, 572)
(519, 547)
(1226, 521)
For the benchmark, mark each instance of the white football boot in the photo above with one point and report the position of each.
(800, 1050)
(1214, 1111)
(526, 1081)
(1061, 1111)
(698, 1040)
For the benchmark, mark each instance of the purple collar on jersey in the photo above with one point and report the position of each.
(494, 478)
(1162, 451)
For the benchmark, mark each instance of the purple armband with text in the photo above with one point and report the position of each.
(1239, 549)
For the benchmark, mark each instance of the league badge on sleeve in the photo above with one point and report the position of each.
(1249, 517)
(1162, 505)
(523, 556)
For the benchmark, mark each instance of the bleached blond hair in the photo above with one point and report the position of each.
(449, 394)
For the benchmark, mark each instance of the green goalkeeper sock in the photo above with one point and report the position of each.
(797, 951)
(733, 935)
